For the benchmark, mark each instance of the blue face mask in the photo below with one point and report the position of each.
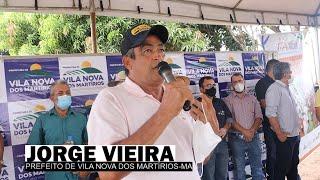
(64, 102)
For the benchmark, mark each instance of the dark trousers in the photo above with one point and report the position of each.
(271, 151)
(287, 159)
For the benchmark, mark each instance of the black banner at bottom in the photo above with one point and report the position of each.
(110, 166)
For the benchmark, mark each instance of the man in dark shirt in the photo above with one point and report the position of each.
(1, 147)
(261, 89)
(217, 166)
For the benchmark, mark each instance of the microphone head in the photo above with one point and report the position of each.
(163, 66)
(165, 71)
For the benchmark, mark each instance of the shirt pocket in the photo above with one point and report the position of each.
(76, 133)
(251, 107)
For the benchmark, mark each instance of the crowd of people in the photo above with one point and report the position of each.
(144, 110)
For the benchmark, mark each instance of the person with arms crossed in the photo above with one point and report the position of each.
(243, 136)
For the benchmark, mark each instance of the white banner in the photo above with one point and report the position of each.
(7, 171)
(22, 116)
(85, 75)
(228, 63)
(288, 46)
(176, 61)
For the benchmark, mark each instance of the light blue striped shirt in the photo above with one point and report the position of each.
(280, 104)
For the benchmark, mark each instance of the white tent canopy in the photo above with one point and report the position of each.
(273, 12)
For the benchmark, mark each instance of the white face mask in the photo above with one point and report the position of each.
(239, 87)
(290, 81)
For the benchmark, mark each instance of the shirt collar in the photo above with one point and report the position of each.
(237, 95)
(281, 83)
(54, 112)
(269, 78)
(134, 88)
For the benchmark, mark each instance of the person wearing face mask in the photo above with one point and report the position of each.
(217, 166)
(283, 117)
(1, 147)
(61, 125)
(261, 89)
(243, 134)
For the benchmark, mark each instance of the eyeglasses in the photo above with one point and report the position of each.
(149, 51)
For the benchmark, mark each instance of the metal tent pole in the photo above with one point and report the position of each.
(93, 27)
(317, 50)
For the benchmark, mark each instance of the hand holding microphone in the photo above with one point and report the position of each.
(201, 110)
(166, 72)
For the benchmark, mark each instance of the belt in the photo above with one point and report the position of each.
(237, 134)
(234, 133)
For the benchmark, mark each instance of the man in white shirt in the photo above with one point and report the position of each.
(143, 110)
(284, 120)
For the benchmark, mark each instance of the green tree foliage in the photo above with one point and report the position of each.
(63, 34)
(17, 31)
(186, 38)
(110, 31)
(37, 34)
(32, 34)
(233, 38)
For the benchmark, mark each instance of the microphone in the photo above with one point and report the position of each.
(165, 71)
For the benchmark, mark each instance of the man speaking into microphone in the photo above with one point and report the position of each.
(144, 110)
